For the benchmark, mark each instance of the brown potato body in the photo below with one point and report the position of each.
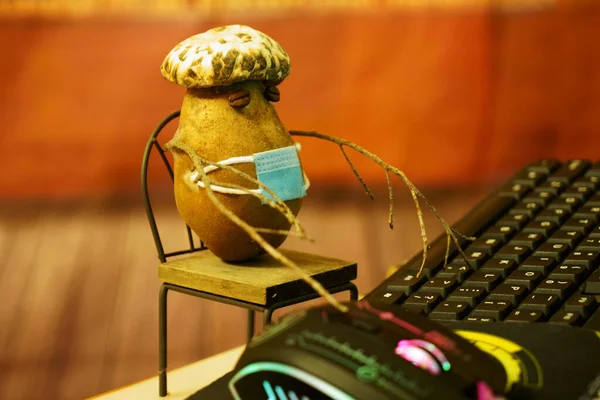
(217, 131)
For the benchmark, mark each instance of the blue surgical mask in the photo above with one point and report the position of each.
(278, 169)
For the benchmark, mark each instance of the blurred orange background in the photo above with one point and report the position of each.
(451, 92)
(456, 93)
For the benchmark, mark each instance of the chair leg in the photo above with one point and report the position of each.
(353, 293)
(267, 315)
(162, 340)
(250, 331)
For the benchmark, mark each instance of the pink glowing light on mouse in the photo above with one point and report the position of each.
(484, 392)
(424, 355)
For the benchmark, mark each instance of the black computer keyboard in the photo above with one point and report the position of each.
(536, 257)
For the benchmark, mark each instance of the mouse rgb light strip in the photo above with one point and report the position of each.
(303, 376)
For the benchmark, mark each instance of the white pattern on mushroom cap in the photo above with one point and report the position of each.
(225, 55)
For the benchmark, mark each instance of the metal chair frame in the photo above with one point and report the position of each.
(267, 310)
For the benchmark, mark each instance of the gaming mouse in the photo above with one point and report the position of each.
(364, 354)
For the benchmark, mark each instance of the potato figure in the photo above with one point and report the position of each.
(231, 74)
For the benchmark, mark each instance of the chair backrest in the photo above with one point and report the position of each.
(154, 145)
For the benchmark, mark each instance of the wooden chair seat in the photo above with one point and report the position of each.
(262, 281)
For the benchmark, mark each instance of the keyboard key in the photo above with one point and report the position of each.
(581, 192)
(456, 272)
(511, 293)
(590, 259)
(592, 244)
(592, 182)
(526, 278)
(536, 263)
(390, 296)
(476, 258)
(470, 295)
(517, 253)
(569, 204)
(458, 260)
(530, 209)
(583, 304)
(570, 318)
(525, 316)
(576, 273)
(542, 197)
(504, 233)
(479, 319)
(451, 310)
(557, 215)
(486, 280)
(489, 246)
(529, 177)
(517, 221)
(555, 187)
(558, 251)
(530, 240)
(578, 224)
(546, 228)
(591, 212)
(572, 238)
(443, 286)
(592, 284)
(497, 309)
(406, 281)
(545, 303)
(595, 233)
(560, 287)
(544, 193)
(570, 171)
(502, 265)
(546, 165)
(514, 190)
(428, 300)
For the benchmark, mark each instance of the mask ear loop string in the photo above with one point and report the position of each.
(232, 161)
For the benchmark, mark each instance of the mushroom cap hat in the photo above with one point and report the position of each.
(225, 55)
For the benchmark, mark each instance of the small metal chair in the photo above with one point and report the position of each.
(267, 309)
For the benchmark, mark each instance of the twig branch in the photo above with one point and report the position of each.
(360, 179)
(415, 193)
(391, 194)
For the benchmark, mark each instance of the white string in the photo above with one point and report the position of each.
(231, 161)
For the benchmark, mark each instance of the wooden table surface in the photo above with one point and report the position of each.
(181, 382)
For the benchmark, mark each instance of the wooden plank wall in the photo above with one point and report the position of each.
(452, 97)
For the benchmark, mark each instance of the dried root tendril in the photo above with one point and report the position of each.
(415, 193)
(360, 179)
(391, 195)
(253, 232)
